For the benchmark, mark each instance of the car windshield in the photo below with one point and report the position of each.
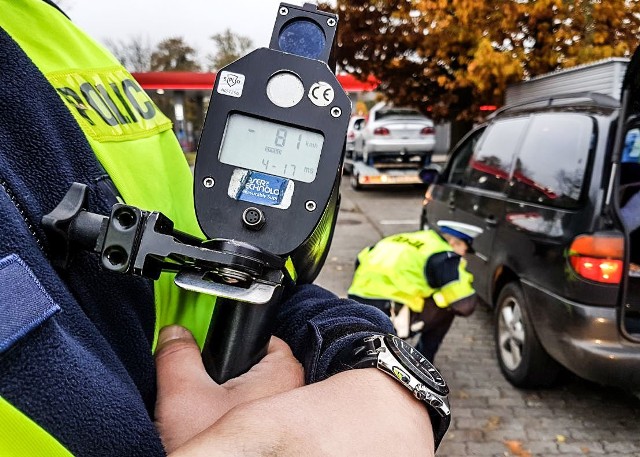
(399, 112)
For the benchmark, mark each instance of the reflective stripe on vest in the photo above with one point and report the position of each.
(394, 269)
(131, 138)
(455, 290)
(21, 437)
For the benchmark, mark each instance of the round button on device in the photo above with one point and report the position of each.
(285, 89)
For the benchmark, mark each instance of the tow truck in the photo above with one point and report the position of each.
(386, 170)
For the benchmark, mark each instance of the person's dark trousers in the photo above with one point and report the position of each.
(415, 337)
(437, 322)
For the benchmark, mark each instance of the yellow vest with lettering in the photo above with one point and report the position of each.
(394, 269)
(131, 138)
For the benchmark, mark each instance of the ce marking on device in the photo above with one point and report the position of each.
(321, 93)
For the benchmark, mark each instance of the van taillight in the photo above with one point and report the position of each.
(598, 257)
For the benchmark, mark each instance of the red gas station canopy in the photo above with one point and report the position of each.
(184, 80)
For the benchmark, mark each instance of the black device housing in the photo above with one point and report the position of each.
(296, 231)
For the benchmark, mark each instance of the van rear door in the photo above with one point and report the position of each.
(623, 198)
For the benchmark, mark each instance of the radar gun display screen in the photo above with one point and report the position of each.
(271, 147)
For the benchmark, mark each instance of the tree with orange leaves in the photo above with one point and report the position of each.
(450, 57)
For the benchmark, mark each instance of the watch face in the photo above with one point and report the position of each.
(419, 366)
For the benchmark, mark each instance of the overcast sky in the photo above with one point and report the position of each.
(194, 20)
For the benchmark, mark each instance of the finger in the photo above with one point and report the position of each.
(276, 345)
(178, 360)
(188, 400)
(279, 371)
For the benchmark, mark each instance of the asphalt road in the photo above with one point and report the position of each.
(490, 417)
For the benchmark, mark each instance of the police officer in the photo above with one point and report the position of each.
(420, 280)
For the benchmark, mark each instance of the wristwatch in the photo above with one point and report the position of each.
(405, 364)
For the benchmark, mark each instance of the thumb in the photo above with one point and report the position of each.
(178, 361)
(188, 400)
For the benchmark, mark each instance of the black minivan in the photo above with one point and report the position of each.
(546, 181)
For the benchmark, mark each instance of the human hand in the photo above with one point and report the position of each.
(356, 412)
(189, 401)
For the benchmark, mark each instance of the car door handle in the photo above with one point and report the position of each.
(491, 220)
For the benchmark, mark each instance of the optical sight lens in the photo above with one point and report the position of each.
(302, 38)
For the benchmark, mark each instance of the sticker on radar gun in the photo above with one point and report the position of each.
(263, 189)
(231, 84)
(321, 93)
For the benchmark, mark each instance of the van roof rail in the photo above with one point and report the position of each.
(597, 98)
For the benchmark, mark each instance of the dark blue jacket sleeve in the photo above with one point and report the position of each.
(317, 325)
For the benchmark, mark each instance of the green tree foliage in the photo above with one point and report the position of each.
(229, 47)
(173, 54)
(450, 57)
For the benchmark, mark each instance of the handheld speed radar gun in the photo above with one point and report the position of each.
(266, 190)
(268, 164)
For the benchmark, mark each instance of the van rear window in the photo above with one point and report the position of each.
(552, 162)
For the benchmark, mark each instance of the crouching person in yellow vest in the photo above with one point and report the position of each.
(420, 280)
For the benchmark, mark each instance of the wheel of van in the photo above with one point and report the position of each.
(523, 361)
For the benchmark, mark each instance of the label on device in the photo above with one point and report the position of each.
(261, 188)
(231, 84)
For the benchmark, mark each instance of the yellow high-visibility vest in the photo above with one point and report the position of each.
(394, 269)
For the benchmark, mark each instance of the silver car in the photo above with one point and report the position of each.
(392, 132)
(353, 130)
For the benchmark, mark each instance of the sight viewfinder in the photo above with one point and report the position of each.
(303, 38)
(304, 31)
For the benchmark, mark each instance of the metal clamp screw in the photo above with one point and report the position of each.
(232, 276)
(331, 22)
(310, 206)
(208, 182)
(336, 112)
(284, 11)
